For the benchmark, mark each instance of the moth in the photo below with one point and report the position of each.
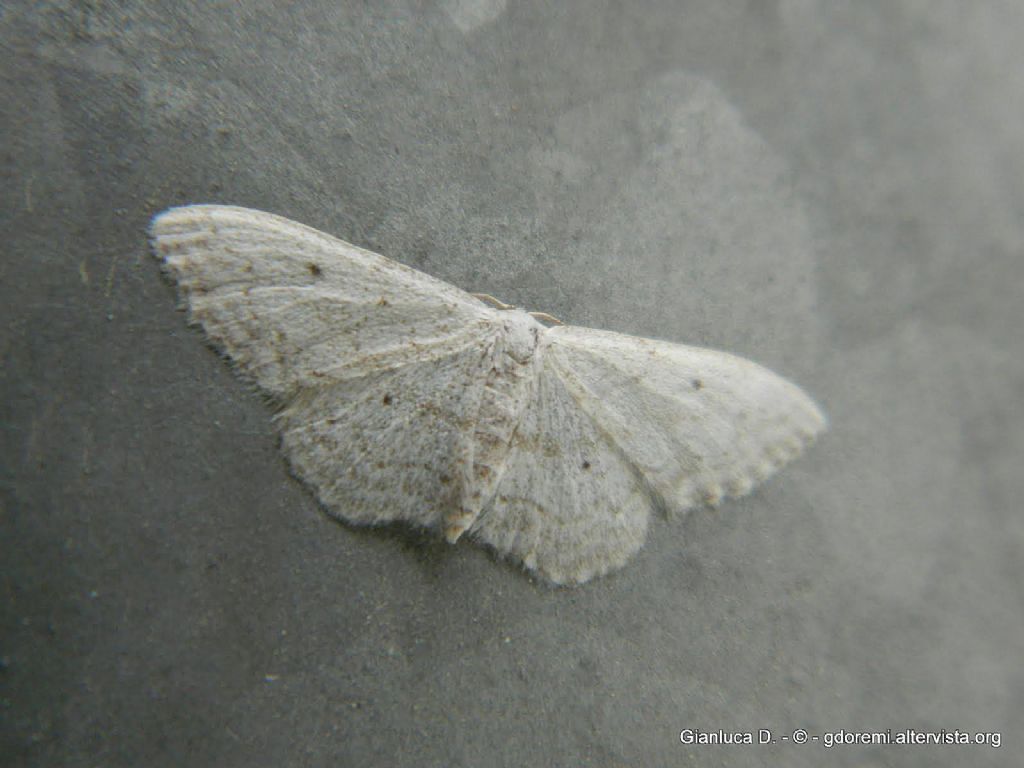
(404, 398)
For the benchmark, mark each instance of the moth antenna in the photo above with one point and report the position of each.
(544, 317)
(496, 303)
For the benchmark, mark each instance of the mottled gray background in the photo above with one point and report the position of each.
(835, 190)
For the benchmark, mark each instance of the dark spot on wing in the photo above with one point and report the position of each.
(586, 464)
(314, 269)
(697, 384)
(386, 399)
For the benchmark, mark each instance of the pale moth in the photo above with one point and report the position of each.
(403, 398)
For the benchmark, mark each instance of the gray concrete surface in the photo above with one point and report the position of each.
(835, 190)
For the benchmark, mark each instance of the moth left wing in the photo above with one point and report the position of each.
(296, 308)
(387, 446)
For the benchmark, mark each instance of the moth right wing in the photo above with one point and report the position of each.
(616, 423)
(568, 505)
(697, 423)
(294, 307)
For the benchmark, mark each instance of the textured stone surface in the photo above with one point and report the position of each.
(837, 193)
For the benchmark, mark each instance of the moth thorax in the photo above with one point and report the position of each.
(522, 333)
